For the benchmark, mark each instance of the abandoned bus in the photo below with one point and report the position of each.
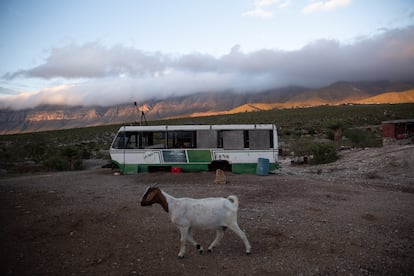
(236, 147)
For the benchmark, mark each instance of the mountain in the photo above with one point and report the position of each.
(50, 117)
(390, 97)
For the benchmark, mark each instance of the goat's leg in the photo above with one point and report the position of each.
(219, 236)
(183, 240)
(236, 229)
(193, 242)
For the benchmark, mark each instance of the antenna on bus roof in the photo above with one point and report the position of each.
(141, 115)
(143, 118)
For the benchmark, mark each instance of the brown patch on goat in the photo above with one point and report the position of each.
(154, 195)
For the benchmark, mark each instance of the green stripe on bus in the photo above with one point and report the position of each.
(199, 155)
(250, 168)
(236, 168)
(130, 169)
(127, 168)
(184, 167)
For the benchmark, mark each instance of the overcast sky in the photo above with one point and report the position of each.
(110, 52)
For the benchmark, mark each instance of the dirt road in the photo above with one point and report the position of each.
(307, 220)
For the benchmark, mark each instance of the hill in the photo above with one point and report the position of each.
(390, 97)
(47, 117)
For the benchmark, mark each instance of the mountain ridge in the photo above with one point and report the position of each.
(51, 117)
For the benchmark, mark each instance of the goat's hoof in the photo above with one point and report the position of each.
(209, 250)
(200, 248)
(248, 253)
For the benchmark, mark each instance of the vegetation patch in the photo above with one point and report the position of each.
(363, 138)
(323, 153)
(68, 158)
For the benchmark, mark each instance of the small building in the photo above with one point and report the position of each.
(398, 132)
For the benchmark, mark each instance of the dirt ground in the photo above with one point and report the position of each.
(351, 217)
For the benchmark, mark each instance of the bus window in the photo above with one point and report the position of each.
(119, 142)
(208, 139)
(126, 140)
(260, 139)
(132, 140)
(233, 139)
(181, 139)
(220, 139)
(153, 140)
(246, 139)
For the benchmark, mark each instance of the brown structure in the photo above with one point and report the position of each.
(400, 132)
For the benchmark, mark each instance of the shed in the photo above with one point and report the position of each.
(400, 132)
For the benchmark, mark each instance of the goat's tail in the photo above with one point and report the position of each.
(235, 200)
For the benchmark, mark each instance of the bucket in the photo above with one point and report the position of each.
(262, 166)
(176, 170)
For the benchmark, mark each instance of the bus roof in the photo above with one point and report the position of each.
(198, 127)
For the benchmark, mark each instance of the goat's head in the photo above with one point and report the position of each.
(149, 196)
(153, 195)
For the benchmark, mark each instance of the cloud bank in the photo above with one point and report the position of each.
(316, 6)
(92, 74)
(266, 8)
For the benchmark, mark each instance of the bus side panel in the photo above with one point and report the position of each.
(130, 169)
(125, 168)
(243, 156)
(245, 161)
(129, 161)
(199, 155)
(194, 167)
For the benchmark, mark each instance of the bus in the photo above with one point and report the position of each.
(233, 147)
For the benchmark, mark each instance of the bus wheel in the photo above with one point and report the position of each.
(219, 164)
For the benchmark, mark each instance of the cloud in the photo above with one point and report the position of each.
(261, 8)
(93, 60)
(51, 95)
(316, 6)
(96, 75)
(6, 91)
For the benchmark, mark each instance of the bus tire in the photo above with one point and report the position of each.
(219, 164)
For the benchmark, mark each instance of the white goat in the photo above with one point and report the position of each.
(207, 213)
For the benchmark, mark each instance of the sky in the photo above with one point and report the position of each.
(101, 52)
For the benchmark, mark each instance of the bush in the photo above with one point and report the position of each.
(302, 147)
(57, 163)
(362, 138)
(324, 153)
(68, 158)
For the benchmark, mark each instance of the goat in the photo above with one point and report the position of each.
(207, 213)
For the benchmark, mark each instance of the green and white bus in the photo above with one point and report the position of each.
(235, 147)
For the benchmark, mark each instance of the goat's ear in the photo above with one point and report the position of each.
(146, 191)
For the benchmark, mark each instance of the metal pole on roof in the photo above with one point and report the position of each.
(143, 118)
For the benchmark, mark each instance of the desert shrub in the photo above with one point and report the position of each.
(330, 135)
(312, 131)
(77, 165)
(68, 158)
(5, 156)
(302, 147)
(324, 153)
(362, 138)
(57, 163)
(103, 154)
